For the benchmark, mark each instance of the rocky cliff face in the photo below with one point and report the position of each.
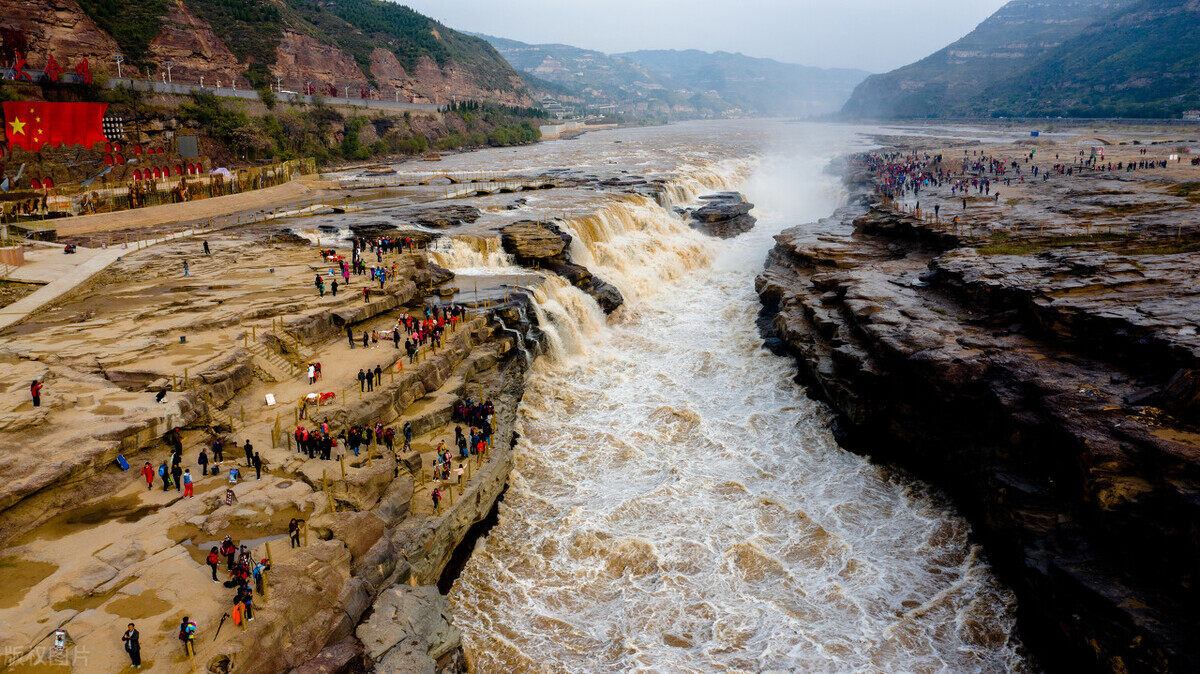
(287, 44)
(194, 49)
(1030, 388)
(56, 27)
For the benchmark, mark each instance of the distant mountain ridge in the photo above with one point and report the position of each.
(681, 83)
(1078, 58)
(758, 85)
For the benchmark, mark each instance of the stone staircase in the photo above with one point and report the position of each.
(272, 362)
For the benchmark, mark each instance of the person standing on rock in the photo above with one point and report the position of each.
(230, 551)
(187, 634)
(378, 376)
(185, 268)
(257, 466)
(187, 483)
(249, 448)
(245, 597)
(164, 473)
(370, 382)
(294, 532)
(407, 436)
(436, 495)
(396, 338)
(333, 287)
(176, 475)
(35, 392)
(362, 380)
(133, 646)
(350, 335)
(206, 249)
(203, 461)
(213, 559)
(148, 473)
(320, 284)
(218, 450)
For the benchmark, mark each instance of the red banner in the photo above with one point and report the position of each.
(31, 125)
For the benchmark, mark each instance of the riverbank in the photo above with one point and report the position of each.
(227, 344)
(1029, 347)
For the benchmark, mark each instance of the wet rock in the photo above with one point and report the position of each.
(535, 241)
(725, 215)
(371, 230)
(442, 217)
(544, 245)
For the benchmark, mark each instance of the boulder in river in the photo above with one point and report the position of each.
(725, 215)
(544, 245)
(443, 217)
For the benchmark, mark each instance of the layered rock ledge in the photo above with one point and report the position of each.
(543, 245)
(1045, 379)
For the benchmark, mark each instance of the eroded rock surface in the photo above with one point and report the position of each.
(724, 215)
(1050, 389)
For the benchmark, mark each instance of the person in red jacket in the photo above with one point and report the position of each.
(148, 473)
(35, 390)
(213, 560)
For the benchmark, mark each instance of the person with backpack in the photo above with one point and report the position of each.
(164, 473)
(245, 597)
(187, 635)
(214, 558)
(230, 551)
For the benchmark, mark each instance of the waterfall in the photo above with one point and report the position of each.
(568, 316)
(471, 254)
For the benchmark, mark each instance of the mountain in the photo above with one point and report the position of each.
(1139, 62)
(1016, 39)
(679, 83)
(355, 44)
(757, 85)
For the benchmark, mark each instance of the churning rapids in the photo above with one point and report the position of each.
(678, 504)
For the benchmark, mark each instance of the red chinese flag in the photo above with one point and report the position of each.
(31, 125)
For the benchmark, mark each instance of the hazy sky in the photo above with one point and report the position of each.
(875, 35)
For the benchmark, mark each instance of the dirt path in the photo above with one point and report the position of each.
(174, 214)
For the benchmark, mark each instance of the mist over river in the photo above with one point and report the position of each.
(678, 504)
